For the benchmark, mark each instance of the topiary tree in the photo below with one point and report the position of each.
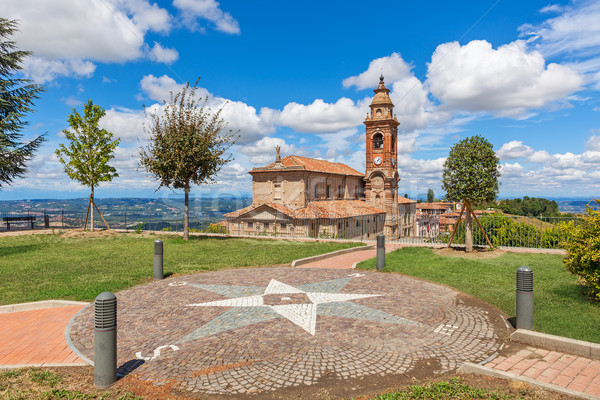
(583, 250)
(471, 174)
(430, 196)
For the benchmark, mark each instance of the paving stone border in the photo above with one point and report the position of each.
(38, 305)
(557, 343)
(308, 260)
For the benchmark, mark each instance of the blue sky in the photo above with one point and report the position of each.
(526, 75)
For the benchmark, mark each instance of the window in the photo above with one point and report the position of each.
(249, 225)
(266, 225)
(378, 141)
(277, 188)
(340, 194)
(328, 191)
(339, 226)
(283, 226)
(316, 192)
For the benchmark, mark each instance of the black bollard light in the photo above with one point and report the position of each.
(105, 340)
(524, 298)
(158, 260)
(380, 251)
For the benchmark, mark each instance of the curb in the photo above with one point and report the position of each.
(558, 343)
(39, 305)
(320, 257)
(470, 368)
(43, 365)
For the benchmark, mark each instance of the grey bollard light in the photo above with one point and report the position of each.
(105, 340)
(380, 251)
(158, 260)
(524, 298)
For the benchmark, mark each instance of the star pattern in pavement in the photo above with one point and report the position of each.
(299, 305)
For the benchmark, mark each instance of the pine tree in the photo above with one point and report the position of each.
(16, 100)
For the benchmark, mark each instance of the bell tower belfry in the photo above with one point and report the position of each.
(381, 176)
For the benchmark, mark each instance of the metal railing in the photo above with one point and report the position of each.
(503, 231)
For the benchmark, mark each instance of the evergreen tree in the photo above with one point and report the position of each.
(430, 196)
(16, 99)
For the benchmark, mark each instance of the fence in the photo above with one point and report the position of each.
(503, 231)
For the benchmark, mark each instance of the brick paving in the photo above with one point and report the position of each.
(262, 329)
(572, 372)
(36, 337)
(346, 261)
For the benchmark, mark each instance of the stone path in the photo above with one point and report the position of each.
(575, 373)
(262, 329)
(36, 337)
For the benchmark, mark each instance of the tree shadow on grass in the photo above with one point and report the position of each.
(12, 250)
(577, 293)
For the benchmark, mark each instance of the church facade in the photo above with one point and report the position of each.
(304, 197)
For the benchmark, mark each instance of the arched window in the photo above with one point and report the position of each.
(378, 141)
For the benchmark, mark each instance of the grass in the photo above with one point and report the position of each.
(561, 306)
(41, 267)
(451, 389)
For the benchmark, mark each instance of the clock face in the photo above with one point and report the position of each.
(377, 160)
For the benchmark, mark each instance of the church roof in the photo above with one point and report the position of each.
(310, 164)
(404, 200)
(317, 209)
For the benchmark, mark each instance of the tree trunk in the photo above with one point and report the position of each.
(92, 211)
(468, 229)
(186, 215)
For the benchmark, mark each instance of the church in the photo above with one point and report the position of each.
(305, 197)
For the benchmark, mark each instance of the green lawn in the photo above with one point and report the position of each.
(560, 305)
(41, 267)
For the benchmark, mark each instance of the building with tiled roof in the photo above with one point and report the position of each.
(300, 196)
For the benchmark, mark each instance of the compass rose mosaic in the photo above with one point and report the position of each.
(258, 330)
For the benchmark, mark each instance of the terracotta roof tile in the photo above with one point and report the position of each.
(311, 164)
(431, 206)
(337, 209)
(317, 209)
(404, 200)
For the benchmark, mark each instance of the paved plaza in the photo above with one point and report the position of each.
(260, 330)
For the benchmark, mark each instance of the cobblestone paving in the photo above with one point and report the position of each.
(256, 330)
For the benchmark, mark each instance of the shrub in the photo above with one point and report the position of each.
(583, 250)
(215, 228)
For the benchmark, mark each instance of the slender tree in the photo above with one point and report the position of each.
(90, 149)
(471, 174)
(16, 99)
(430, 196)
(187, 145)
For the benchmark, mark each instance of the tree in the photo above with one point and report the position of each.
(583, 249)
(471, 174)
(187, 144)
(90, 149)
(16, 99)
(430, 196)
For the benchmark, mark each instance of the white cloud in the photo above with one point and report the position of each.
(552, 8)
(163, 54)
(540, 157)
(159, 88)
(511, 170)
(42, 70)
(593, 143)
(128, 125)
(263, 152)
(323, 117)
(207, 9)
(406, 146)
(575, 32)
(508, 81)
(514, 149)
(392, 67)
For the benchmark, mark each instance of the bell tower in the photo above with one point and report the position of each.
(381, 176)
